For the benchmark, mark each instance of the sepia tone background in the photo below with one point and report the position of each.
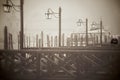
(35, 19)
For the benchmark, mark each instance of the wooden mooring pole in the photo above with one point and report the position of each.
(10, 41)
(42, 39)
(37, 41)
(5, 38)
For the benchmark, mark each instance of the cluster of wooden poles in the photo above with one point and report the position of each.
(75, 39)
(42, 40)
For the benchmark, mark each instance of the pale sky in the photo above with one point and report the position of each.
(72, 10)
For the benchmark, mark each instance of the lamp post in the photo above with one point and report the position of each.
(50, 12)
(79, 22)
(95, 28)
(7, 9)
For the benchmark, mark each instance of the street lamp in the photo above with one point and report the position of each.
(7, 9)
(49, 15)
(9, 5)
(79, 22)
(95, 28)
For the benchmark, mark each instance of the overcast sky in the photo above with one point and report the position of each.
(72, 10)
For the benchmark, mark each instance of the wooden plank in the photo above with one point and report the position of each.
(59, 66)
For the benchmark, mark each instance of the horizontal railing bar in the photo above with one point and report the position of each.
(61, 51)
(81, 48)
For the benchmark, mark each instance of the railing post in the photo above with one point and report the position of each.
(38, 66)
(78, 67)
